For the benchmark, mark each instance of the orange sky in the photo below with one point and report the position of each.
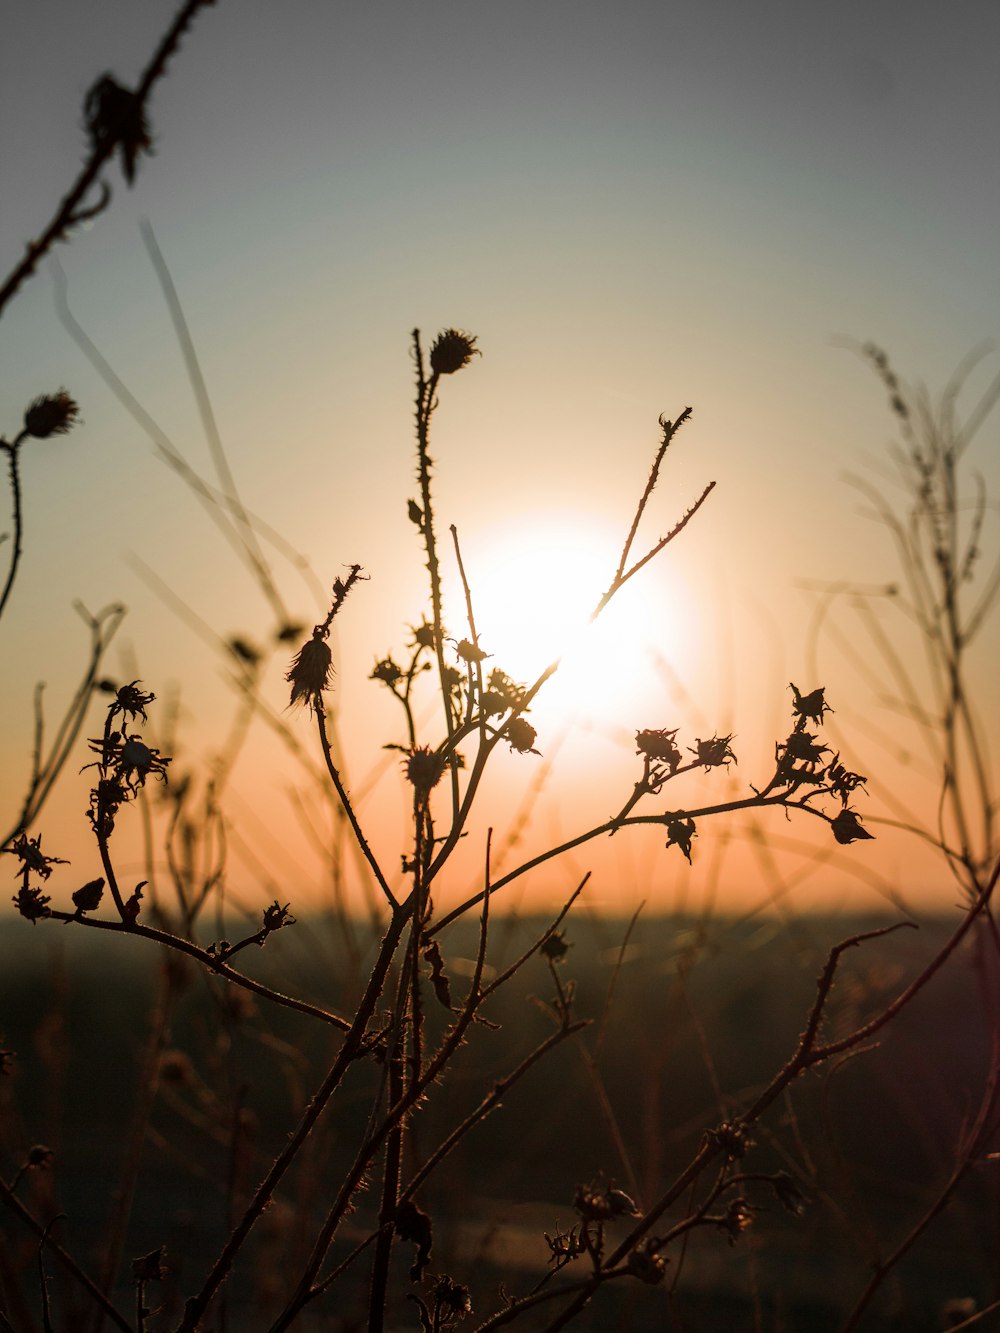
(633, 216)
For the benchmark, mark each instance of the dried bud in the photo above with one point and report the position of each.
(424, 768)
(33, 860)
(554, 946)
(88, 899)
(244, 651)
(680, 831)
(659, 745)
(732, 1138)
(150, 1267)
(521, 735)
(277, 916)
(847, 827)
(310, 672)
(738, 1218)
(714, 752)
(414, 512)
(453, 349)
(116, 118)
(423, 635)
(788, 1193)
(492, 704)
(645, 1264)
(800, 745)
(33, 904)
(451, 1298)
(413, 1224)
(132, 701)
(468, 652)
(809, 707)
(55, 414)
(386, 671)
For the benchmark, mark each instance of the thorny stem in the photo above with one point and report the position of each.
(208, 960)
(345, 801)
(723, 807)
(387, 1206)
(147, 1085)
(306, 1290)
(975, 1139)
(72, 211)
(807, 1054)
(490, 1102)
(350, 1050)
(426, 390)
(64, 1257)
(12, 452)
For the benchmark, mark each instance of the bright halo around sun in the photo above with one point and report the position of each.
(534, 589)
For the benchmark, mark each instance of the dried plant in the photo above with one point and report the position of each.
(366, 1193)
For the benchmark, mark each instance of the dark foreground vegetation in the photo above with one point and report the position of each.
(686, 1015)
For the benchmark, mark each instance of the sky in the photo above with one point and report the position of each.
(636, 208)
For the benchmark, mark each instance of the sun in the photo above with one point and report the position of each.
(535, 586)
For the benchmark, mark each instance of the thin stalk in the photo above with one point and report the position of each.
(350, 1050)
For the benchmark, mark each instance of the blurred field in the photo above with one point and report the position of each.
(698, 1009)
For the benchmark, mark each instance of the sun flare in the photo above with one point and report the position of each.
(535, 588)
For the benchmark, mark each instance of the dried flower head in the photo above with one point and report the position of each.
(842, 781)
(424, 768)
(732, 1138)
(275, 917)
(33, 860)
(116, 118)
(645, 1264)
(52, 414)
(309, 674)
(809, 707)
(470, 652)
(133, 761)
(659, 745)
(738, 1218)
(714, 752)
(131, 701)
(453, 350)
(554, 947)
(680, 831)
(807, 749)
(451, 1299)
(521, 736)
(386, 671)
(33, 904)
(423, 635)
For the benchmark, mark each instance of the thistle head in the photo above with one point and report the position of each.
(309, 674)
(52, 414)
(453, 350)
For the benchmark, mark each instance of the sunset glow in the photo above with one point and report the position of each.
(535, 588)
